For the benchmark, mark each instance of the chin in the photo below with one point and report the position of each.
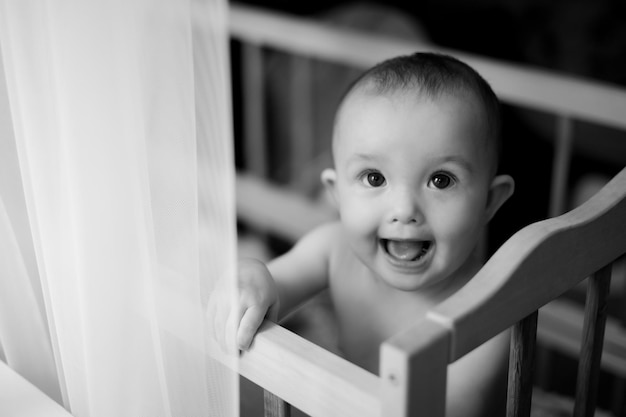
(405, 282)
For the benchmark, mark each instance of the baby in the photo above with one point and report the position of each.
(416, 149)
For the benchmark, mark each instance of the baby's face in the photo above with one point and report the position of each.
(412, 184)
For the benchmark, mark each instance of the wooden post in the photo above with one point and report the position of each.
(301, 127)
(560, 165)
(413, 372)
(274, 406)
(254, 129)
(593, 340)
(619, 384)
(521, 367)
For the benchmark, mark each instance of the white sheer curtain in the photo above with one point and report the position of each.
(116, 202)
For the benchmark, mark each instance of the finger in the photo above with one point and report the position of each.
(230, 330)
(250, 322)
(272, 313)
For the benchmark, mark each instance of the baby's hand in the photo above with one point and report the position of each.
(237, 319)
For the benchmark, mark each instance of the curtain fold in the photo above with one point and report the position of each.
(118, 204)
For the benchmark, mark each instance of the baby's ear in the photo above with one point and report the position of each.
(502, 187)
(329, 179)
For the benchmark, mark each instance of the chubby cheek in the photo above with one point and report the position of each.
(361, 222)
(459, 230)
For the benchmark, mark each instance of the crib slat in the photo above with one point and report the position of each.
(275, 406)
(254, 118)
(301, 126)
(561, 164)
(593, 338)
(521, 367)
(618, 398)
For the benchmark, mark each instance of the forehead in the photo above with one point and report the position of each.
(367, 120)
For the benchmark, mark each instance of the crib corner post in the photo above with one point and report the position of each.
(413, 372)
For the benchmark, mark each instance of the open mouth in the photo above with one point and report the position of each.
(406, 250)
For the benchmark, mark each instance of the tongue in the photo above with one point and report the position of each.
(404, 250)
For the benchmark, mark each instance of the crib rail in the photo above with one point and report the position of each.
(264, 206)
(515, 84)
(309, 377)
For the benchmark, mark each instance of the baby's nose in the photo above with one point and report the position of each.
(405, 208)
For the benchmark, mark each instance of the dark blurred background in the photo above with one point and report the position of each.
(585, 38)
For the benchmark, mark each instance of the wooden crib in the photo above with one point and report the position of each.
(531, 271)
(537, 265)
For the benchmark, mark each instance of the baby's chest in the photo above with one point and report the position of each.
(367, 318)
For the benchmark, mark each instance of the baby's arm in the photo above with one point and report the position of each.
(274, 290)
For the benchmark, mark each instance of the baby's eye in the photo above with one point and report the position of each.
(441, 180)
(374, 179)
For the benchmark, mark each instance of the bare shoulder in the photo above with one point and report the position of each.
(309, 258)
(330, 229)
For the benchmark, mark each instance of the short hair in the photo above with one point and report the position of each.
(434, 74)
